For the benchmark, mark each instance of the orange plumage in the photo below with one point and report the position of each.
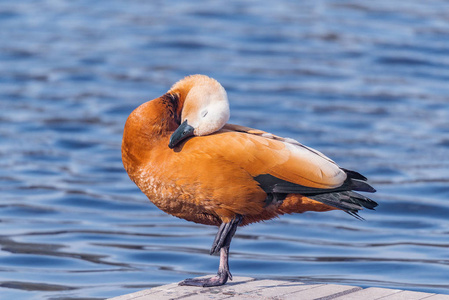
(180, 152)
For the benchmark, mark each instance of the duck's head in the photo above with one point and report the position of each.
(205, 107)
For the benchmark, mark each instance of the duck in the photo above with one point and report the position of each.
(183, 155)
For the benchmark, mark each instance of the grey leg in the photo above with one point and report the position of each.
(221, 243)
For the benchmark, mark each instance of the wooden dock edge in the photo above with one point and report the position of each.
(250, 288)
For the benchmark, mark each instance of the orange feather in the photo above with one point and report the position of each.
(209, 179)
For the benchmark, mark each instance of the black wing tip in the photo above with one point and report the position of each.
(361, 186)
(354, 174)
(357, 181)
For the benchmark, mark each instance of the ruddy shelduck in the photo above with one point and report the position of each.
(179, 150)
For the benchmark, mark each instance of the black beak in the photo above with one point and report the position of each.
(181, 133)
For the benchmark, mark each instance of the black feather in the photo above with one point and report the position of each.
(361, 186)
(354, 174)
(341, 197)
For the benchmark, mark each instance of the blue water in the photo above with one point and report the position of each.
(365, 83)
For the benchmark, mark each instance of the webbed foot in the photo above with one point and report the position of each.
(205, 282)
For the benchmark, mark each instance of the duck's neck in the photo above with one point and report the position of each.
(147, 125)
(171, 107)
(179, 92)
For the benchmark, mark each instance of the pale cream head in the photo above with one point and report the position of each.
(206, 106)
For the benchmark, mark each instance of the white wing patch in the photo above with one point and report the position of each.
(324, 167)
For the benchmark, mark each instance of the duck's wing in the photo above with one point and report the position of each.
(286, 159)
(283, 166)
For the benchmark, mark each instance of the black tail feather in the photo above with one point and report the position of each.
(349, 201)
(341, 197)
(364, 201)
(355, 215)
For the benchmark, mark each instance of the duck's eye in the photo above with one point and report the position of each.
(204, 113)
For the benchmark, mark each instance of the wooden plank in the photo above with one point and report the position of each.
(325, 291)
(234, 290)
(281, 290)
(370, 294)
(173, 290)
(250, 288)
(408, 295)
(438, 297)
